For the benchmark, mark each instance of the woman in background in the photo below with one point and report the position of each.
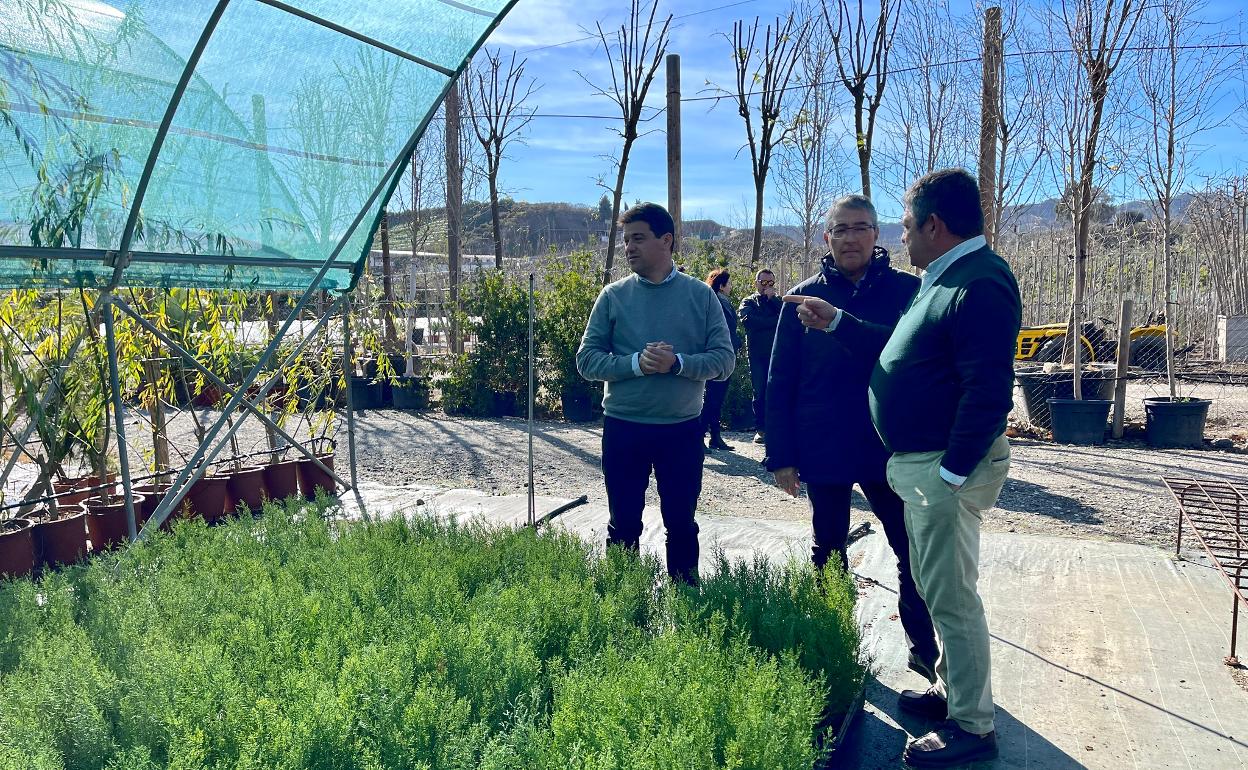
(721, 283)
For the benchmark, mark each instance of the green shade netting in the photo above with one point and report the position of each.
(285, 131)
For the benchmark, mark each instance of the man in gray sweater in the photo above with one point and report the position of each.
(654, 338)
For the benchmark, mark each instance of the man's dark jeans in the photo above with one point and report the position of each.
(829, 507)
(758, 381)
(629, 451)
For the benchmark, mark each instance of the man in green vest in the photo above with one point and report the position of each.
(939, 398)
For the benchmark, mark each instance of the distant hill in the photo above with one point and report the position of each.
(530, 228)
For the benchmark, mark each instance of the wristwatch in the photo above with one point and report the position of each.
(676, 367)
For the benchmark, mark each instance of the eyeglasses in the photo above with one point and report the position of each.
(766, 283)
(840, 232)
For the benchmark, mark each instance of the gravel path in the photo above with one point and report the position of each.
(1112, 492)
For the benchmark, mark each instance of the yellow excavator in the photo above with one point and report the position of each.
(1042, 344)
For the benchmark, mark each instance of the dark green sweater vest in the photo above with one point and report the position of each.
(945, 380)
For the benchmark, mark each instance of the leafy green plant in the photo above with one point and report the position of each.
(297, 641)
(565, 304)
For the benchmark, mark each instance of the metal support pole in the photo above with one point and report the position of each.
(229, 390)
(119, 416)
(347, 372)
(532, 493)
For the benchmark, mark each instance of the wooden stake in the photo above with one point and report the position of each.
(673, 145)
(990, 120)
(1124, 358)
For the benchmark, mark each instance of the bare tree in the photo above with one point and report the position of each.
(763, 75)
(809, 165)
(1178, 78)
(1100, 31)
(495, 101)
(1021, 145)
(935, 115)
(862, 47)
(634, 53)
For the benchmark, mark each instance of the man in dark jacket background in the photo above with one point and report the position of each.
(759, 313)
(818, 387)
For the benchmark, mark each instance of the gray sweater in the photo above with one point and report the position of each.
(630, 313)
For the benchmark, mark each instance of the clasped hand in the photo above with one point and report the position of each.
(657, 358)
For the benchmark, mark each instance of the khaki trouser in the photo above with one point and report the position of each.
(944, 556)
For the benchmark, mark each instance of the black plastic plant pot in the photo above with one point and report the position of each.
(1177, 423)
(1039, 386)
(577, 406)
(1079, 422)
(410, 393)
(504, 403)
(365, 394)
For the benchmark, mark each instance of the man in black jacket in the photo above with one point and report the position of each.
(939, 398)
(759, 314)
(818, 387)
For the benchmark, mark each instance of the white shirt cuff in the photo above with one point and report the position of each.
(836, 319)
(681, 359)
(637, 365)
(951, 477)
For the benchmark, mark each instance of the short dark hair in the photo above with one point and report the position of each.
(764, 271)
(951, 194)
(851, 202)
(653, 214)
(717, 278)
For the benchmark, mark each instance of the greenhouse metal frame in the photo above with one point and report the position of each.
(78, 75)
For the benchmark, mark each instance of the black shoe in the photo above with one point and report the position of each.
(923, 703)
(949, 746)
(719, 443)
(922, 668)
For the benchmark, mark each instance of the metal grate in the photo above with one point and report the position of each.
(1217, 512)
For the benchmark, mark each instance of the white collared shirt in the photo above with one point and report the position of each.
(942, 263)
(637, 356)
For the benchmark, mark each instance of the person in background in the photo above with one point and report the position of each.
(759, 314)
(819, 424)
(654, 337)
(721, 283)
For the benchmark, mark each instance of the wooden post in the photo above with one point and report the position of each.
(1124, 357)
(990, 120)
(673, 145)
(454, 199)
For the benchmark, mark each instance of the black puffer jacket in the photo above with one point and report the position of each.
(730, 318)
(817, 416)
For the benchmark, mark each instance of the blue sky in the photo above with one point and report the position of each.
(563, 157)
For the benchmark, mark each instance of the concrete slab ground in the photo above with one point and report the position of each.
(1105, 655)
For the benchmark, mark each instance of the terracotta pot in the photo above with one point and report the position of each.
(312, 478)
(153, 494)
(107, 527)
(246, 486)
(281, 480)
(207, 497)
(17, 548)
(71, 492)
(63, 540)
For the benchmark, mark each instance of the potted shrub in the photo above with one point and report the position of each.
(1176, 421)
(564, 313)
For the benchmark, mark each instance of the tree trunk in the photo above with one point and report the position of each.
(758, 223)
(616, 195)
(496, 221)
(387, 286)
